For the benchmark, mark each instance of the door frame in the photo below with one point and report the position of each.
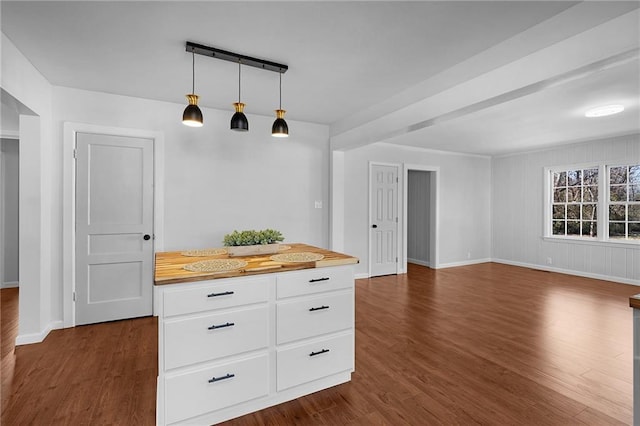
(69, 201)
(398, 205)
(12, 136)
(434, 225)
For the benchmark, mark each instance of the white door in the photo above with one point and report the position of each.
(114, 227)
(384, 220)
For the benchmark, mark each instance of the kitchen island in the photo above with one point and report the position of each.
(250, 332)
(634, 302)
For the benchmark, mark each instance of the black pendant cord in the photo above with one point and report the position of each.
(239, 71)
(280, 90)
(193, 73)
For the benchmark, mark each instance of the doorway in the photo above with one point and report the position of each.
(420, 216)
(9, 211)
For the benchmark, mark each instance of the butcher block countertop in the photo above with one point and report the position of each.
(169, 267)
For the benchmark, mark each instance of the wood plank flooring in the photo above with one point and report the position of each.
(485, 344)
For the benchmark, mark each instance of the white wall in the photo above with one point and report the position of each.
(418, 218)
(9, 180)
(464, 201)
(518, 206)
(217, 180)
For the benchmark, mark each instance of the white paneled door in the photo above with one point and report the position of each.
(384, 220)
(114, 227)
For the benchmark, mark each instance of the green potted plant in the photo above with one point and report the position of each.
(251, 242)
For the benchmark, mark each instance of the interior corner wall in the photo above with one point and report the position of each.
(464, 202)
(518, 213)
(40, 302)
(217, 180)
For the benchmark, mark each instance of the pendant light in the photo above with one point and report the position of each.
(192, 116)
(239, 121)
(280, 128)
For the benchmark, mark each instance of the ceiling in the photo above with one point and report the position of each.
(352, 65)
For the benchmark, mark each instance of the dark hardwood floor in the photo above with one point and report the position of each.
(485, 344)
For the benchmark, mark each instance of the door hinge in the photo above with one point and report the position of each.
(397, 179)
(74, 296)
(396, 220)
(396, 260)
(75, 153)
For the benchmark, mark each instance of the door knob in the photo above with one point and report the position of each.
(374, 226)
(147, 237)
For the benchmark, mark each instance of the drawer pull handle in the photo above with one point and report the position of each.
(217, 379)
(226, 293)
(319, 308)
(229, 324)
(315, 280)
(324, 351)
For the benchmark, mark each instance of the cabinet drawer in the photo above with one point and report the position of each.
(311, 361)
(224, 294)
(207, 337)
(313, 316)
(314, 281)
(195, 393)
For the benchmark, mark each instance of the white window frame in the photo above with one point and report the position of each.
(602, 218)
(608, 178)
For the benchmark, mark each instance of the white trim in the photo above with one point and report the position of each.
(361, 276)
(398, 227)
(27, 339)
(462, 263)
(69, 183)
(620, 280)
(2, 183)
(632, 244)
(434, 226)
(419, 262)
(9, 134)
(10, 284)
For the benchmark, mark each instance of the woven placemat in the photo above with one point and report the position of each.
(204, 252)
(297, 257)
(215, 265)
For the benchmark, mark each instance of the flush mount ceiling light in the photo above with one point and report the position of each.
(239, 121)
(280, 128)
(192, 116)
(603, 111)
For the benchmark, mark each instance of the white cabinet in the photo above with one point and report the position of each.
(228, 347)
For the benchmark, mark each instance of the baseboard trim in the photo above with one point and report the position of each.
(10, 284)
(619, 280)
(462, 263)
(28, 339)
(361, 276)
(419, 262)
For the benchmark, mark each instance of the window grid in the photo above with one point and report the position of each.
(624, 202)
(575, 202)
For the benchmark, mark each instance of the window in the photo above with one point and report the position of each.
(624, 202)
(575, 198)
(598, 202)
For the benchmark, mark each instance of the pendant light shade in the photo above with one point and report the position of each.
(280, 128)
(239, 121)
(192, 116)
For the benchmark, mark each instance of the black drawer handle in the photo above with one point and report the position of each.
(324, 351)
(226, 293)
(318, 309)
(319, 279)
(217, 379)
(229, 324)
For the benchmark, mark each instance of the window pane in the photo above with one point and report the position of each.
(589, 212)
(616, 230)
(590, 193)
(634, 192)
(573, 194)
(634, 174)
(573, 211)
(634, 230)
(574, 177)
(560, 196)
(589, 229)
(634, 213)
(559, 179)
(617, 212)
(618, 174)
(618, 193)
(573, 227)
(558, 211)
(590, 177)
(558, 227)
